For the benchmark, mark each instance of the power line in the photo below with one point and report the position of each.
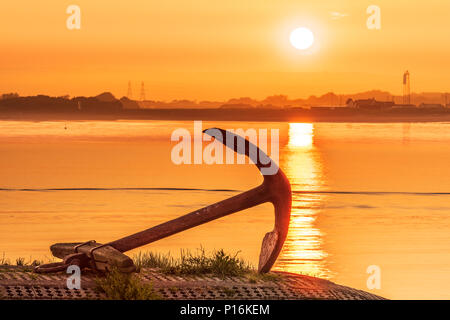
(129, 93)
(142, 91)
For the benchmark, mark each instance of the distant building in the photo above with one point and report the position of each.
(406, 88)
(369, 104)
(9, 96)
(431, 106)
(236, 106)
(403, 106)
(325, 108)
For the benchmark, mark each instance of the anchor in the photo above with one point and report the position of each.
(275, 189)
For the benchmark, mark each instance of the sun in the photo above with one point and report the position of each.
(302, 38)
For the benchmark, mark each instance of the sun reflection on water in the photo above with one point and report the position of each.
(303, 250)
(300, 135)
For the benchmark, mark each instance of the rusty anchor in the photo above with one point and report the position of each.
(275, 189)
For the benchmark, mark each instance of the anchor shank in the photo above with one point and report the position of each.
(220, 209)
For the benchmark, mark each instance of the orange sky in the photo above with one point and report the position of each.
(208, 49)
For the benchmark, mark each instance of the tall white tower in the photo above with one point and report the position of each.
(406, 88)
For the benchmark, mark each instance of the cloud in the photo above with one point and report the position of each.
(338, 15)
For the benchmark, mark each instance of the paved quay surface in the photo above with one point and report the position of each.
(21, 283)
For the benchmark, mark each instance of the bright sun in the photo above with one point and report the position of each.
(302, 38)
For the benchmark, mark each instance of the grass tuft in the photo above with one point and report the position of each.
(218, 263)
(20, 261)
(4, 261)
(254, 277)
(124, 286)
(229, 292)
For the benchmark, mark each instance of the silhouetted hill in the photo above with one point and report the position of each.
(106, 102)
(92, 104)
(106, 97)
(129, 104)
(38, 103)
(42, 103)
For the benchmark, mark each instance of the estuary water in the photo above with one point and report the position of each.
(363, 195)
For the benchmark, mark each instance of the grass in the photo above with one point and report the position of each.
(173, 290)
(254, 277)
(120, 286)
(20, 262)
(27, 265)
(229, 292)
(218, 263)
(4, 261)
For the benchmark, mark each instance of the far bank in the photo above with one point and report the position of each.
(251, 114)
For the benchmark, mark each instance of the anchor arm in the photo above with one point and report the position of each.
(212, 212)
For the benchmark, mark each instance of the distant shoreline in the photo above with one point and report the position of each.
(249, 115)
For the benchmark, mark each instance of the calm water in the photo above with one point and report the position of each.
(363, 194)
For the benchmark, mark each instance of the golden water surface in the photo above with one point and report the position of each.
(363, 194)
